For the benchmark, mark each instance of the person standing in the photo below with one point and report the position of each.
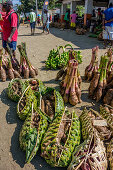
(46, 20)
(108, 25)
(10, 27)
(67, 18)
(39, 20)
(32, 17)
(73, 19)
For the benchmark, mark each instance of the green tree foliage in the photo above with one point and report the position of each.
(80, 10)
(26, 5)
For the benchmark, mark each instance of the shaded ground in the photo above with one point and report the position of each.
(38, 47)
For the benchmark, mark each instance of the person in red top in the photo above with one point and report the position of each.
(10, 32)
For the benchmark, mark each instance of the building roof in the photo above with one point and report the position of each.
(101, 3)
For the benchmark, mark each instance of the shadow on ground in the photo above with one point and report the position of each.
(82, 42)
(18, 155)
(29, 35)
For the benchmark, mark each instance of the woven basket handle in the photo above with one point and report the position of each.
(67, 46)
(59, 49)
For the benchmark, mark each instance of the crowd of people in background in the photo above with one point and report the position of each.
(10, 23)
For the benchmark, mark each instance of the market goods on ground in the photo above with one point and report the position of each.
(15, 89)
(26, 68)
(24, 106)
(51, 103)
(93, 66)
(58, 60)
(59, 134)
(101, 79)
(32, 132)
(90, 155)
(10, 67)
(64, 139)
(60, 139)
(100, 125)
(71, 84)
(80, 31)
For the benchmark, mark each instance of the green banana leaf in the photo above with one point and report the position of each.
(58, 154)
(28, 98)
(17, 85)
(32, 133)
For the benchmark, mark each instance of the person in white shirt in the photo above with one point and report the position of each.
(46, 20)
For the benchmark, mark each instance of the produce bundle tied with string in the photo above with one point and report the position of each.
(14, 61)
(72, 55)
(108, 92)
(92, 68)
(71, 85)
(26, 68)
(8, 67)
(99, 81)
(109, 53)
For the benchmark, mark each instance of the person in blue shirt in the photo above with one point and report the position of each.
(108, 25)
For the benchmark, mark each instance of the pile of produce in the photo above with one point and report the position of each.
(58, 60)
(97, 33)
(71, 84)
(80, 31)
(97, 135)
(33, 97)
(25, 103)
(108, 98)
(98, 83)
(63, 71)
(91, 154)
(101, 85)
(36, 85)
(63, 133)
(10, 67)
(26, 68)
(100, 36)
(92, 68)
(57, 25)
(32, 132)
(51, 103)
(57, 131)
(100, 125)
(15, 89)
(60, 140)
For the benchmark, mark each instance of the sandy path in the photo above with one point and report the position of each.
(38, 47)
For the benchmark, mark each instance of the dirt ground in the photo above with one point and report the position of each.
(38, 47)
